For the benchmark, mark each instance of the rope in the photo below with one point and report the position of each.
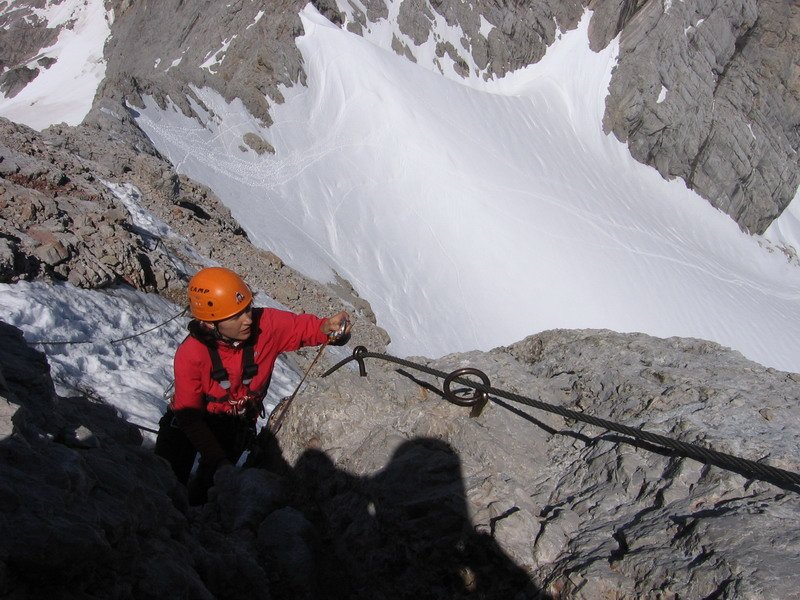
(142, 427)
(308, 370)
(122, 339)
(278, 415)
(747, 468)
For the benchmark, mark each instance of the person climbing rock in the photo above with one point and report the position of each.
(223, 370)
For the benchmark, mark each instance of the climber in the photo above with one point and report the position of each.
(222, 371)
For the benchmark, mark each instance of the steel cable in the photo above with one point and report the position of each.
(122, 339)
(757, 470)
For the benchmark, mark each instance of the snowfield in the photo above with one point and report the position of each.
(64, 92)
(472, 215)
(469, 213)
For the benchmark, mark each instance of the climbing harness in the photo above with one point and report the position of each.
(249, 370)
(747, 468)
(278, 414)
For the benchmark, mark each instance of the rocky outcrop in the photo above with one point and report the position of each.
(244, 50)
(710, 92)
(518, 35)
(76, 204)
(59, 220)
(24, 34)
(704, 91)
(582, 512)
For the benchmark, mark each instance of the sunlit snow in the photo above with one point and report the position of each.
(64, 92)
(469, 213)
(116, 345)
(473, 215)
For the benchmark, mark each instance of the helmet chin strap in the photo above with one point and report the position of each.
(224, 338)
(214, 328)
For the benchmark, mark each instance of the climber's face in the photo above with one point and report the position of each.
(239, 326)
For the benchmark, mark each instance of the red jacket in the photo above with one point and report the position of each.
(281, 331)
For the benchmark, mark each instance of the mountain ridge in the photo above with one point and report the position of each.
(382, 488)
(720, 128)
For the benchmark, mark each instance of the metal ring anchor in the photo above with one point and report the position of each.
(358, 354)
(477, 400)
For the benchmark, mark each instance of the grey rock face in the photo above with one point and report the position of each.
(23, 35)
(519, 35)
(257, 143)
(242, 49)
(60, 222)
(13, 81)
(710, 93)
(60, 219)
(584, 513)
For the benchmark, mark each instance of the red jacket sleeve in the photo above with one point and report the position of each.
(191, 362)
(293, 331)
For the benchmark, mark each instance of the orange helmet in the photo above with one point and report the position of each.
(216, 293)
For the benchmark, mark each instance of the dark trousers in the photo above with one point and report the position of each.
(234, 434)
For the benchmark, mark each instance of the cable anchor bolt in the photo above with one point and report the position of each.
(477, 401)
(358, 354)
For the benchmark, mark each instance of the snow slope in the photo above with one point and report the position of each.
(473, 215)
(65, 91)
(117, 345)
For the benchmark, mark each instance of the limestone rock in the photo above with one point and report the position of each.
(257, 143)
(24, 35)
(13, 81)
(227, 46)
(62, 217)
(579, 511)
(709, 92)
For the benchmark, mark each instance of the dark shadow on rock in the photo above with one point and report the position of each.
(746, 468)
(404, 532)
(86, 511)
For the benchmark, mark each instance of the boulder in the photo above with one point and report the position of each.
(558, 506)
